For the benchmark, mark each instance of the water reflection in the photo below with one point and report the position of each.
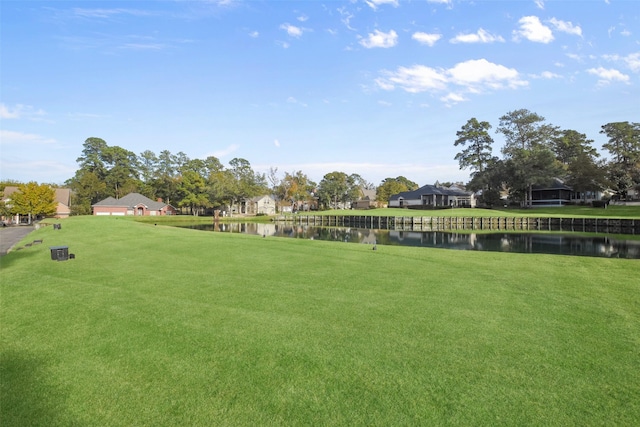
(562, 244)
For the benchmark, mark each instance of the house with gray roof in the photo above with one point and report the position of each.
(557, 193)
(132, 204)
(433, 196)
(367, 199)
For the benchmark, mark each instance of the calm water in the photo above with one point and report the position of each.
(562, 244)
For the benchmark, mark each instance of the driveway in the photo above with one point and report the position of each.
(10, 236)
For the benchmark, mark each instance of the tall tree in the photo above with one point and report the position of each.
(624, 147)
(390, 186)
(180, 160)
(527, 146)
(33, 200)
(93, 155)
(167, 165)
(148, 163)
(475, 136)
(523, 129)
(295, 188)
(624, 142)
(274, 183)
(586, 175)
(334, 189)
(122, 176)
(86, 189)
(220, 188)
(192, 189)
(568, 145)
(212, 164)
(166, 179)
(490, 182)
(362, 183)
(247, 182)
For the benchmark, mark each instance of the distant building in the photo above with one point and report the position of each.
(557, 193)
(132, 204)
(367, 200)
(63, 200)
(62, 197)
(262, 205)
(433, 196)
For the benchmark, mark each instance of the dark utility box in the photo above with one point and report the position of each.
(59, 253)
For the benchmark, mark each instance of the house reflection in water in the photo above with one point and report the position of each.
(548, 243)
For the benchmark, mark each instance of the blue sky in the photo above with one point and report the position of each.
(377, 87)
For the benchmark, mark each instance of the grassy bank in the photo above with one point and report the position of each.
(153, 325)
(558, 212)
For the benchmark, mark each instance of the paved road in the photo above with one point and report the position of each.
(10, 236)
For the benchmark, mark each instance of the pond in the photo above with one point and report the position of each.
(532, 242)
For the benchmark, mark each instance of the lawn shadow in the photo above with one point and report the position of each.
(27, 397)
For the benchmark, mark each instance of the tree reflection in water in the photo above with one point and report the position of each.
(546, 243)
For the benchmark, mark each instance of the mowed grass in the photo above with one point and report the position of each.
(154, 325)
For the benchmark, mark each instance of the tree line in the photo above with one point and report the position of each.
(534, 153)
(198, 185)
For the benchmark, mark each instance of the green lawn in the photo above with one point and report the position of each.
(557, 212)
(154, 325)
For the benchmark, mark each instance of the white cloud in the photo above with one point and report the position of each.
(36, 170)
(225, 152)
(9, 137)
(107, 13)
(21, 111)
(566, 27)
(302, 18)
(143, 46)
(5, 113)
(375, 3)
(453, 98)
(276, 143)
(380, 39)
(292, 100)
(539, 4)
(418, 78)
(254, 34)
(439, 1)
(346, 17)
(481, 36)
(575, 57)
(426, 38)
(632, 61)
(533, 30)
(607, 76)
(79, 116)
(548, 75)
(473, 76)
(476, 74)
(292, 30)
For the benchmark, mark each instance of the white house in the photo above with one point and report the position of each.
(263, 205)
